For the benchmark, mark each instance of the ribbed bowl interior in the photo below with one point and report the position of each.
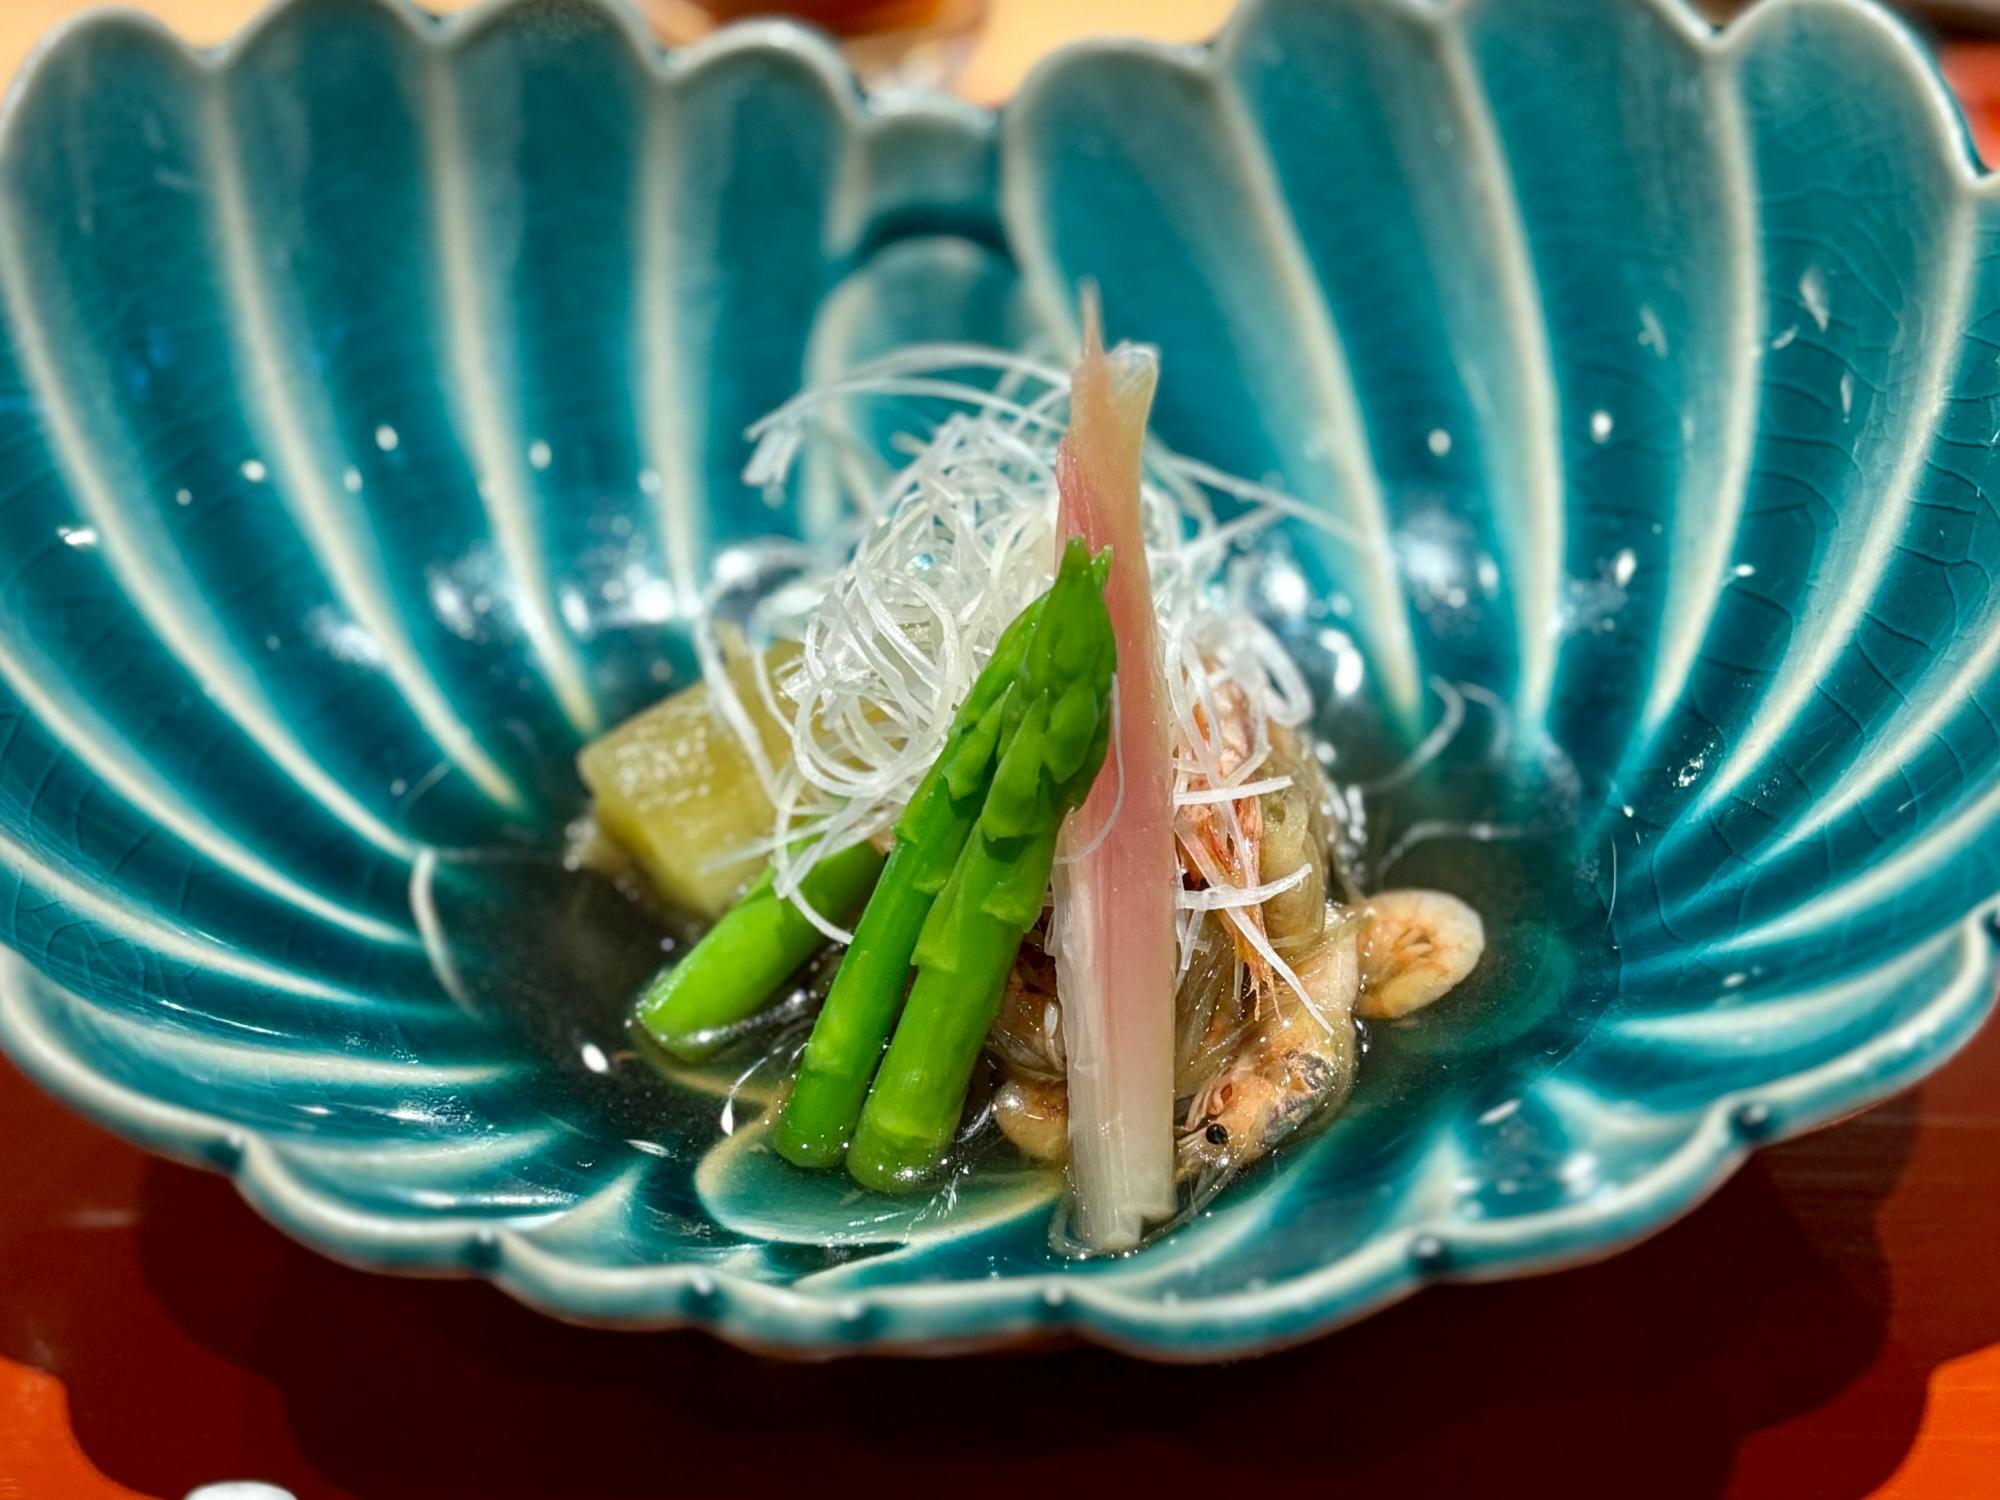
(371, 407)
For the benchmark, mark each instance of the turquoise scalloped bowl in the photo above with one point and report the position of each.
(371, 401)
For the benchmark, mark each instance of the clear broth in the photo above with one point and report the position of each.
(555, 956)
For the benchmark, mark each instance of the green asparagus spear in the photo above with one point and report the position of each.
(867, 992)
(758, 944)
(1055, 725)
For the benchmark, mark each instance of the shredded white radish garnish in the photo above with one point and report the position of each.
(1207, 796)
(894, 626)
(1226, 897)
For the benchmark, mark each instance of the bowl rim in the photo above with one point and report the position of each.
(952, 1318)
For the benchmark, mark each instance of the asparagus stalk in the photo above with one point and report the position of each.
(759, 943)
(1055, 725)
(846, 1042)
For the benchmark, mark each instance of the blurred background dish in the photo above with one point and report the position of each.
(982, 48)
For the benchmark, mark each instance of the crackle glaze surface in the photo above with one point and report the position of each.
(372, 390)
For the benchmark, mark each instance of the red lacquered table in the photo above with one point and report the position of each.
(1828, 1325)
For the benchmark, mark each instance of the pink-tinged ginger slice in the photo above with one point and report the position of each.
(1117, 874)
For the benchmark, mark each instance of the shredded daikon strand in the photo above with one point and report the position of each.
(951, 548)
(1252, 933)
(1433, 744)
(1203, 796)
(1115, 765)
(1217, 899)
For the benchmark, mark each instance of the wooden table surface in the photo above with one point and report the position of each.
(1827, 1326)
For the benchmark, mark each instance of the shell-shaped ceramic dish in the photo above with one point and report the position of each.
(371, 406)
